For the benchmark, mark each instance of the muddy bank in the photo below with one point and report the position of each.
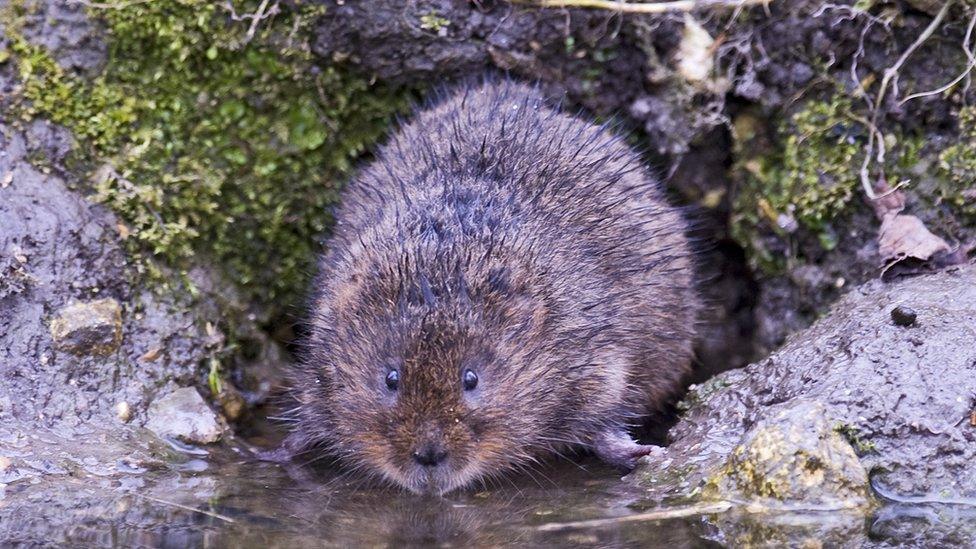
(84, 349)
(89, 353)
(86, 344)
(872, 404)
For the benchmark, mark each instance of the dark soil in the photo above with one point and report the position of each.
(621, 66)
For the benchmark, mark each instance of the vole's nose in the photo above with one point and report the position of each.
(430, 454)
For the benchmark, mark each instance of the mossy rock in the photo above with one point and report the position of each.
(210, 142)
(794, 456)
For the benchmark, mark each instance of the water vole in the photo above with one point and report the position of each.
(504, 281)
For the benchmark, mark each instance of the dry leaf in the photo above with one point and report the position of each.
(6, 180)
(904, 241)
(905, 236)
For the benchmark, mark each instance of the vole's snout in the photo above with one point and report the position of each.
(430, 454)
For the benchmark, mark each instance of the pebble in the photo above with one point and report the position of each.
(904, 316)
(92, 328)
(185, 416)
(123, 411)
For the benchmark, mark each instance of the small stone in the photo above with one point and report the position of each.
(151, 355)
(88, 328)
(184, 415)
(123, 411)
(232, 404)
(904, 316)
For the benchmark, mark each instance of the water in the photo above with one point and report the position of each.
(231, 500)
(228, 502)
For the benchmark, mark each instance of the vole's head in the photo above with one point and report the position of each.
(431, 383)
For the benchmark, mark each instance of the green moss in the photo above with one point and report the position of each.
(95, 111)
(852, 435)
(214, 147)
(801, 178)
(957, 166)
(806, 182)
(700, 393)
(433, 22)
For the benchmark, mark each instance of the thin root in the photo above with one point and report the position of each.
(645, 7)
(218, 516)
(962, 75)
(657, 514)
(891, 76)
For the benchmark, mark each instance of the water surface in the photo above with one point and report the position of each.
(227, 499)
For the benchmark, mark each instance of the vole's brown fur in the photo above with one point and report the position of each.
(497, 234)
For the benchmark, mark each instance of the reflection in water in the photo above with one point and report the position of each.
(242, 502)
(234, 502)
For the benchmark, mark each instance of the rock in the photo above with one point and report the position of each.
(903, 400)
(794, 455)
(66, 349)
(232, 403)
(66, 31)
(93, 328)
(903, 316)
(65, 273)
(184, 415)
(123, 411)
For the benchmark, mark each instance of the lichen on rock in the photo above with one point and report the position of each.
(793, 455)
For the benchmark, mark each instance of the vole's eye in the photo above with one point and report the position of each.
(469, 380)
(393, 380)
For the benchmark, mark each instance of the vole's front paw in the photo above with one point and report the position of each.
(617, 448)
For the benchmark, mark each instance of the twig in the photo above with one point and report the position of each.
(891, 73)
(263, 12)
(964, 74)
(258, 16)
(644, 7)
(657, 514)
(224, 518)
(106, 6)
